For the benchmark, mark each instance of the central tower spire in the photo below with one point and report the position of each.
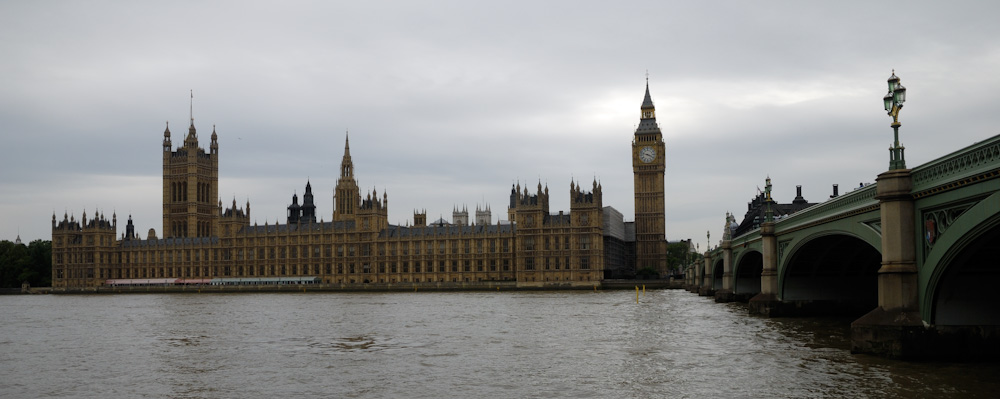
(346, 166)
(347, 196)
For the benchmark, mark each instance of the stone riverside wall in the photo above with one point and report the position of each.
(397, 287)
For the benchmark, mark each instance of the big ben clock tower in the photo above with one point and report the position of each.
(648, 165)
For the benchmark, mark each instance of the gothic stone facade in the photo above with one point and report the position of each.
(204, 241)
(201, 240)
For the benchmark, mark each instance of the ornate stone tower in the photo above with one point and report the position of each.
(587, 243)
(373, 214)
(460, 216)
(190, 187)
(528, 210)
(346, 197)
(83, 250)
(648, 165)
(233, 219)
(483, 215)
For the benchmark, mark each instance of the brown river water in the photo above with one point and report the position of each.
(560, 344)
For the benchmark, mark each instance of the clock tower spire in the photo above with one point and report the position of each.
(648, 166)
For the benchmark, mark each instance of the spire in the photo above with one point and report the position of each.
(346, 166)
(191, 141)
(166, 138)
(647, 102)
(347, 143)
(214, 147)
(647, 120)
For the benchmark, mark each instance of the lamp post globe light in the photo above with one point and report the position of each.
(893, 102)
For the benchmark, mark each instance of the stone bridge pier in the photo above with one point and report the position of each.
(767, 302)
(706, 286)
(725, 294)
(895, 328)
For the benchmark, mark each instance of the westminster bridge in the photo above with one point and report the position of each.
(915, 253)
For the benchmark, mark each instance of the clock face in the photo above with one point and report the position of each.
(647, 154)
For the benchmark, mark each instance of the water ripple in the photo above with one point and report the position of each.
(433, 345)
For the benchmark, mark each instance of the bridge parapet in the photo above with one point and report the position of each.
(747, 238)
(861, 200)
(841, 206)
(967, 163)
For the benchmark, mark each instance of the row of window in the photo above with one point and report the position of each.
(583, 242)
(292, 252)
(291, 270)
(552, 263)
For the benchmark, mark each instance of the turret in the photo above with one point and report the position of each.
(373, 212)
(308, 210)
(294, 210)
(191, 141)
(214, 147)
(232, 219)
(166, 139)
(420, 218)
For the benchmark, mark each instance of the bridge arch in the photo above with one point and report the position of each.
(835, 266)
(746, 272)
(718, 271)
(963, 269)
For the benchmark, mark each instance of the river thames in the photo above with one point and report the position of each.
(570, 344)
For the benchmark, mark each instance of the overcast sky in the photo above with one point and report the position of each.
(450, 103)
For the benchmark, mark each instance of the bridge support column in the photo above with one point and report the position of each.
(694, 278)
(706, 288)
(766, 302)
(726, 293)
(895, 328)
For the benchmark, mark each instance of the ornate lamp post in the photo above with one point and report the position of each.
(893, 101)
(768, 214)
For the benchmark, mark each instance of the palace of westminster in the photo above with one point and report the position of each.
(202, 240)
